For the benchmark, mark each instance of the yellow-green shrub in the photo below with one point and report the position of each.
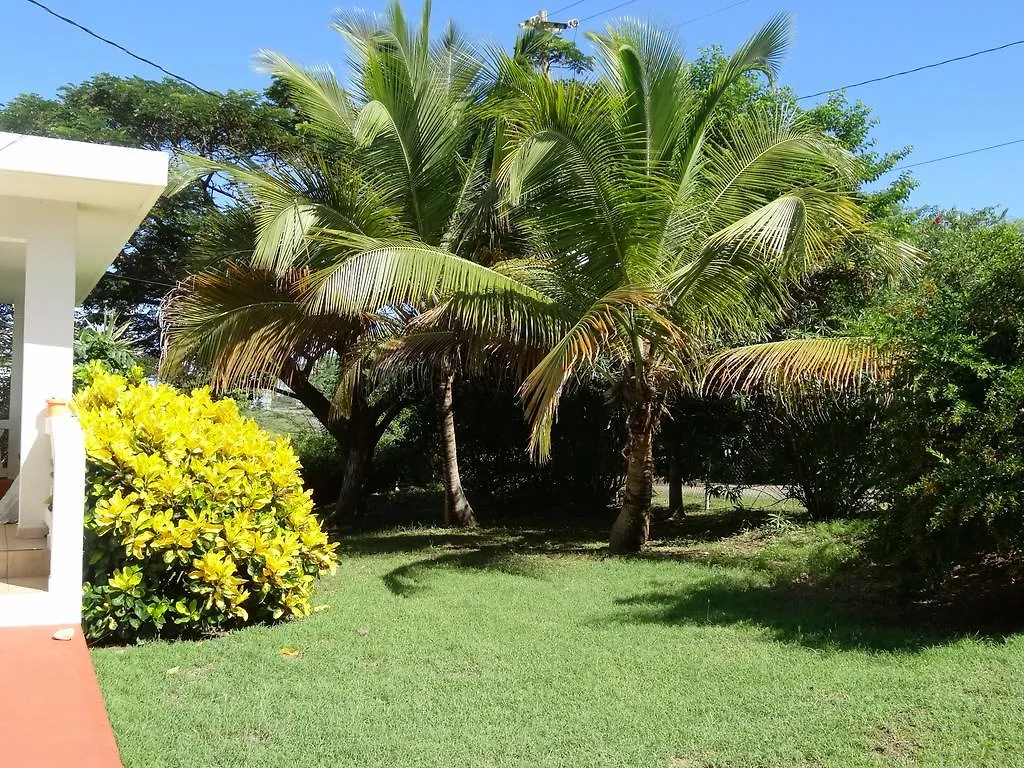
(196, 520)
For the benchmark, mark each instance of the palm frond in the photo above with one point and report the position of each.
(839, 363)
(762, 52)
(391, 273)
(580, 346)
(644, 63)
(316, 94)
(246, 325)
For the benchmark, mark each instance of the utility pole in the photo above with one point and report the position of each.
(541, 21)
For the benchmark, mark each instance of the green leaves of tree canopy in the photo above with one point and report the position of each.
(955, 431)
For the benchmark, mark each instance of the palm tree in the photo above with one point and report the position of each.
(652, 242)
(407, 157)
(250, 327)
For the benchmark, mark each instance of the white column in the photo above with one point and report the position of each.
(17, 363)
(47, 349)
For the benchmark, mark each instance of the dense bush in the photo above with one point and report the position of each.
(196, 519)
(955, 437)
(586, 468)
(584, 472)
(822, 448)
(819, 448)
(322, 461)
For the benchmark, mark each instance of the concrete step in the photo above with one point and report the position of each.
(22, 557)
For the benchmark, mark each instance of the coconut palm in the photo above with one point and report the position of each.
(408, 140)
(652, 243)
(250, 328)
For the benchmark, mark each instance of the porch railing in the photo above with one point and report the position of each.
(5, 448)
(65, 521)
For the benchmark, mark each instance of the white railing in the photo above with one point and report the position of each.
(61, 603)
(65, 520)
(5, 431)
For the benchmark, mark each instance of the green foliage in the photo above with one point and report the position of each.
(848, 123)
(585, 471)
(546, 50)
(196, 520)
(955, 435)
(321, 458)
(108, 343)
(406, 456)
(836, 292)
(822, 447)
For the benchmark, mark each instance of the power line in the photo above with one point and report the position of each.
(959, 154)
(709, 13)
(567, 7)
(119, 47)
(912, 71)
(119, 276)
(890, 76)
(608, 10)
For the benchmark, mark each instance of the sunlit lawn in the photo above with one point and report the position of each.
(509, 649)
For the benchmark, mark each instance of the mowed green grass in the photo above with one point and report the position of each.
(722, 648)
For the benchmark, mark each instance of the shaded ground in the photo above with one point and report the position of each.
(814, 583)
(741, 639)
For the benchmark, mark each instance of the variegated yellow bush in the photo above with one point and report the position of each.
(196, 519)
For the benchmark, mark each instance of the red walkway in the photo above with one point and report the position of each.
(53, 714)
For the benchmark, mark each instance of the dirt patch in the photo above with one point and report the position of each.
(198, 670)
(894, 746)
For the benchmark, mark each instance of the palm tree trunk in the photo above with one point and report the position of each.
(366, 425)
(351, 506)
(633, 525)
(457, 511)
(676, 508)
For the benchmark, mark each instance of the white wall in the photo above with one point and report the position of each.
(47, 351)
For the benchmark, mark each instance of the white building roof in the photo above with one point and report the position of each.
(113, 188)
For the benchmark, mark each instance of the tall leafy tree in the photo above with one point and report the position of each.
(546, 51)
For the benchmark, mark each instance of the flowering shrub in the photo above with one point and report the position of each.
(196, 520)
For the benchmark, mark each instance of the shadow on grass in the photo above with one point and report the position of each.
(581, 535)
(413, 578)
(403, 541)
(806, 585)
(718, 524)
(581, 539)
(839, 612)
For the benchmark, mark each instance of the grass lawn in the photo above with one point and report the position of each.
(729, 645)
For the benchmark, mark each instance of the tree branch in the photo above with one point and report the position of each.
(383, 416)
(315, 400)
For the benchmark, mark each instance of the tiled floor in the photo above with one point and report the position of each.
(23, 585)
(23, 562)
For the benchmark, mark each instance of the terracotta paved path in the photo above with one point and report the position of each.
(53, 712)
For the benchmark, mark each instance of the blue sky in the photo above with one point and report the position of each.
(951, 109)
